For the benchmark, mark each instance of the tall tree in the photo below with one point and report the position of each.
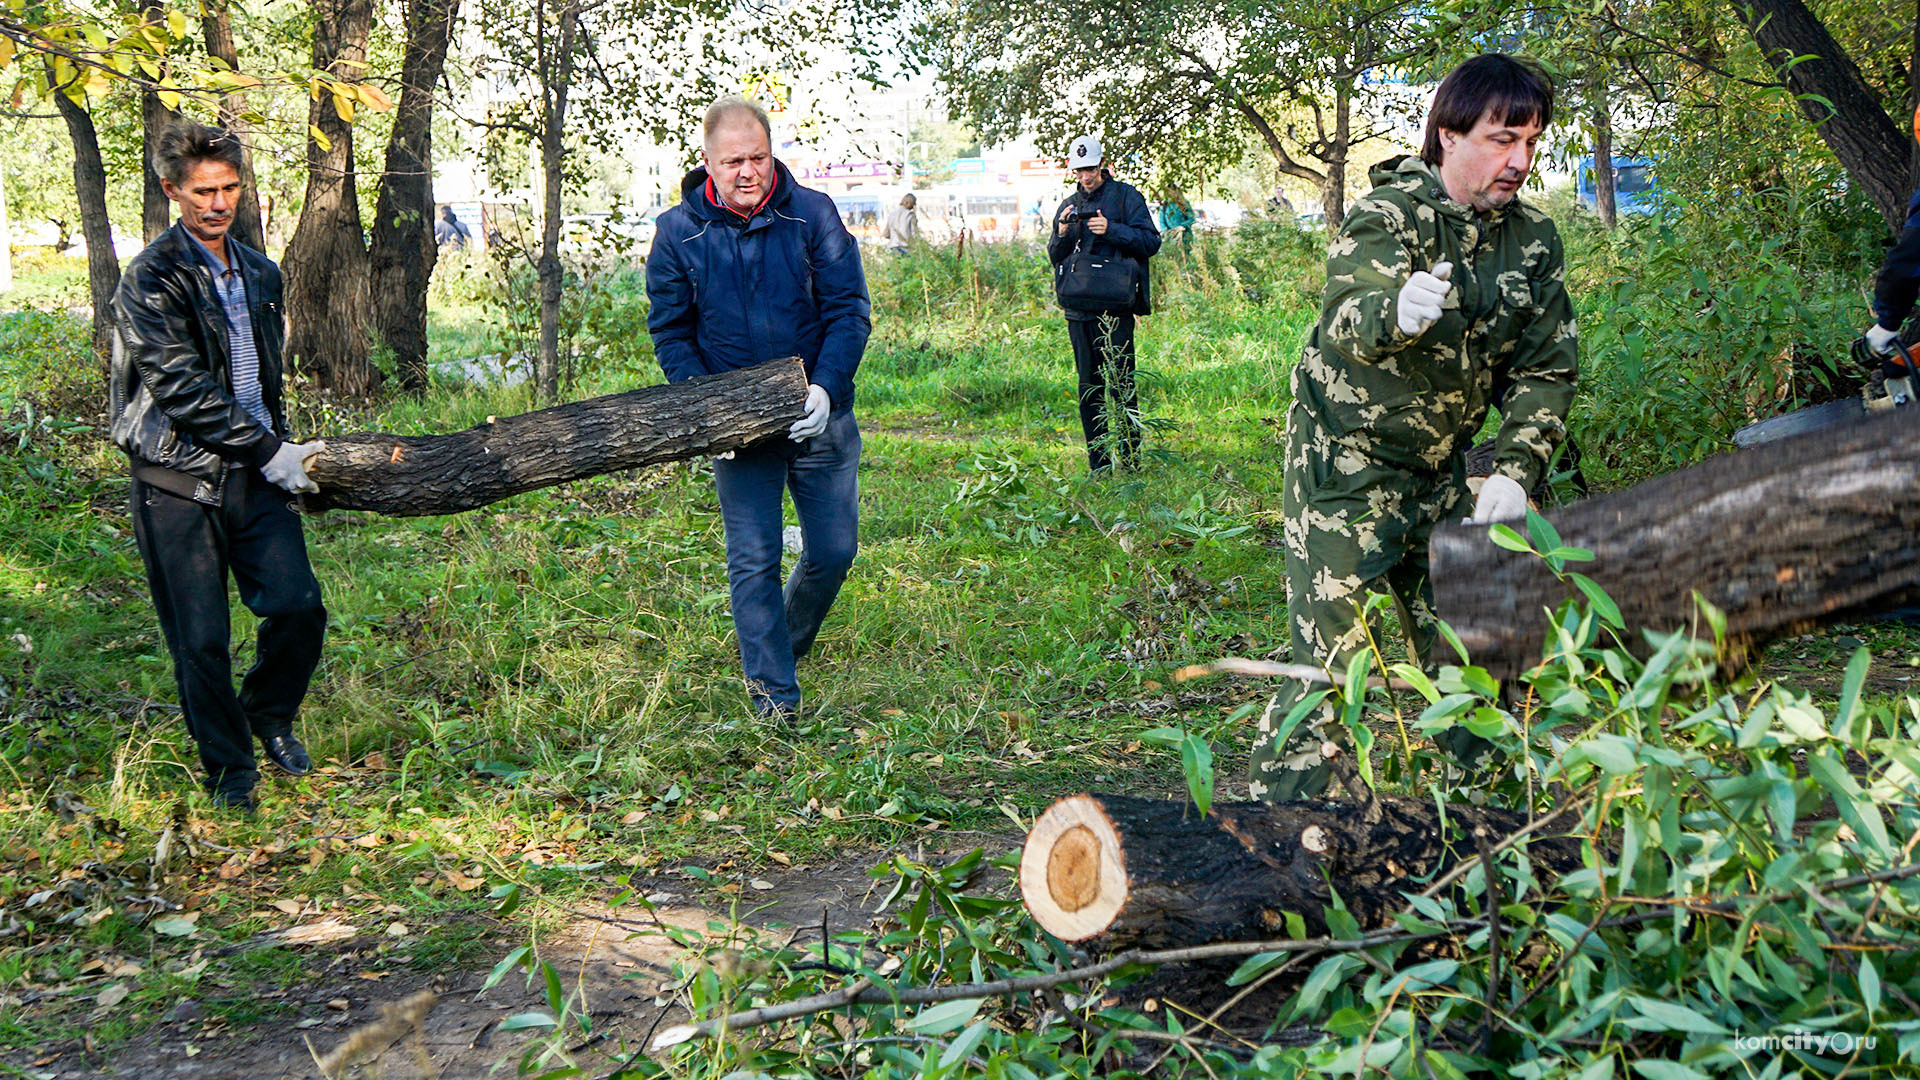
(1833, 95)
(90, 183)
(326, 261)
(553, 118)
(403, 251)
(217, 21)
(1178, 80)
(578, 75)
(156, 212)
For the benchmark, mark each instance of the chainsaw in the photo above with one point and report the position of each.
(1895, 376)
(1893, 384)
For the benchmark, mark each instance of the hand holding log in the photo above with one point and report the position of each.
(410, 475)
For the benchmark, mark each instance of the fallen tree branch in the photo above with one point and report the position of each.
(865, 991)
(409, 475)
(1237, 665)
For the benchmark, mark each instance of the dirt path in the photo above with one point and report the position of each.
(617, 963)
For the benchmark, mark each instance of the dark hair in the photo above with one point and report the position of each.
(1514, 91)
(186, 144)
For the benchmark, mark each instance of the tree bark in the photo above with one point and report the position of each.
(156, 210)
(1604, 196)
(1333, 198)
(1141, 873)
(90, 182)
(247, 226)
(557, 71)
(403, 251)
(326, 261)
(1781, 537)
(1850, 119)
(411, 475)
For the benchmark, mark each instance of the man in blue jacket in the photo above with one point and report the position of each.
(748, 268)
(1104, 215)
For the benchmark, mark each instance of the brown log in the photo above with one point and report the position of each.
(1142, 873)
(1781, 537)
(409, 475)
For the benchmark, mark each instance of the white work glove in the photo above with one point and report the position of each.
(1882, 341)
(288, 466)
(1501, 499)
(1421, 299)
(815, 422)
(724, 455)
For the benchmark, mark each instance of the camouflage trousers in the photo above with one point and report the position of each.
(1354, 526)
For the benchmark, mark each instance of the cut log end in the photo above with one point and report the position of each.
(1072, 874)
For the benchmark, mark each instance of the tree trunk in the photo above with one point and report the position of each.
(1831, 93)
(1140, 873)
(403, 250)
(156, 210)
(1604, 197)
(326, 262)
(90, 182)
(410, 475)
(552, 154)
(6, 235)
(247, 226)
(1333, 198)
(1787, 535)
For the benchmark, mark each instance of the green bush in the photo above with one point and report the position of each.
(1740, 908)
(1700, 320)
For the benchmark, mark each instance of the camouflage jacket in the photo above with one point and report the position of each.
(1416, 403)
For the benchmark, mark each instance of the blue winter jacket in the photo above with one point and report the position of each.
(728, 292)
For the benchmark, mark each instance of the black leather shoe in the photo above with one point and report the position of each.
(286, 752)
(242, 801)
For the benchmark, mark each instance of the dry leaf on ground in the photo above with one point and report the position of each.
(318, 933)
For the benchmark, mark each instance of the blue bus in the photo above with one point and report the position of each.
(1634, 189)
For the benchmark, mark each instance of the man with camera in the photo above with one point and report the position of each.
(1102, 238)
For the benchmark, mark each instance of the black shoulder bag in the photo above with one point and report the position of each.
(1089, 281)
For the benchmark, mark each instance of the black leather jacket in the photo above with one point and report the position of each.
(170, 391)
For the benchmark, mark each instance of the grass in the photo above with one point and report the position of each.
(545, 692)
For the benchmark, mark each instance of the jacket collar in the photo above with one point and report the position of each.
(188, 251)
(693, 196)
(1422, 181)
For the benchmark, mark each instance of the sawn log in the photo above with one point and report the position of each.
(1142, 873)
(410, 475)
(1780, 537)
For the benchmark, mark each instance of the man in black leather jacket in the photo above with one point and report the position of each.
(195, 401)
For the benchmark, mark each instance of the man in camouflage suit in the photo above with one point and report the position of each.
(1440, 280)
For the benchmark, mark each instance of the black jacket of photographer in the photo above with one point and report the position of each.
(1130, 232)
(170, 391)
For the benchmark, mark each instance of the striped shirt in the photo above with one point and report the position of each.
(231, 286)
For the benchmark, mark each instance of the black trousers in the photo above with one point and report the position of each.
(1099, 344)
(189, 549)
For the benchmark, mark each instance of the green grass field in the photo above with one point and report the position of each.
(545, 692)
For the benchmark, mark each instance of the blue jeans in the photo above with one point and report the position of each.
(776, 627)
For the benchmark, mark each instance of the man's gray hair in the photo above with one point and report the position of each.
(186, 144)
(730, 107)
